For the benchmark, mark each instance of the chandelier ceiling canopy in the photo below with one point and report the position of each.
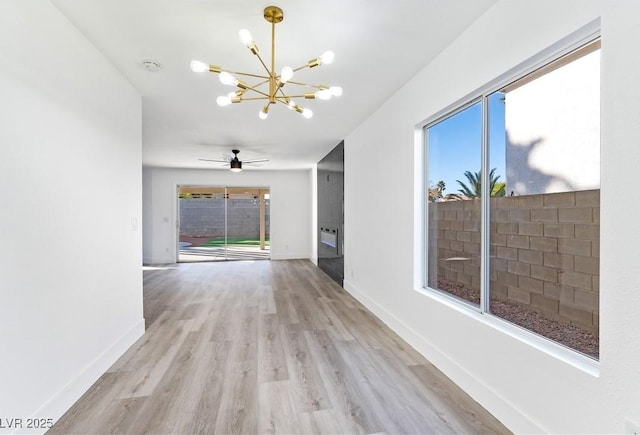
(270, 87)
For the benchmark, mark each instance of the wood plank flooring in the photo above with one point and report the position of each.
(269, 348)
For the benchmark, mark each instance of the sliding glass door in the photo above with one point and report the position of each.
(223, 223)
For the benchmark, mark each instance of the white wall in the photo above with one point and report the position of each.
(290, 208)
(527, 388)
(70, 214)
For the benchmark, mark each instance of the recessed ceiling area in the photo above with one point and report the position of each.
(379, 45)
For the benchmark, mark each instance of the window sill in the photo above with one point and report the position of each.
(558, 351)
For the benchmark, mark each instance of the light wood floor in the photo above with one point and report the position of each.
(268, 347)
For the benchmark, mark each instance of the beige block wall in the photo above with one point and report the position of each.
(544, 251)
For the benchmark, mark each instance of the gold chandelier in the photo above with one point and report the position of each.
(271, 86)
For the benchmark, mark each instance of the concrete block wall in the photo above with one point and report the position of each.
(544, 251)
(203, 217)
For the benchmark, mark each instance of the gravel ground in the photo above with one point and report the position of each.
(569, 335)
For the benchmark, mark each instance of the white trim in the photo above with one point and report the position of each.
(290, 256)
(566, 45)
(61, 401)
(582, 36)
(420, 208)
(159, 260)
(567, 355)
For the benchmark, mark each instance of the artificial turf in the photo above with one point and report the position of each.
(240, 241)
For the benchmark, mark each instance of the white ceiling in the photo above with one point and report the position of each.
(379, 45)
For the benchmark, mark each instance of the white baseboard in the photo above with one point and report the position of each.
(290, 256)
(159, 260)
(60, 402)
(478, 390)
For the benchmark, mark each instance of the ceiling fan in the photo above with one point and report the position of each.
(233, 162)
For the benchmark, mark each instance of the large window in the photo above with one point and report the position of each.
(513, 199)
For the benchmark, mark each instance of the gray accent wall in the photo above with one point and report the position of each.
(331, 213)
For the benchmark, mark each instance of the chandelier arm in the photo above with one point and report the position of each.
(265, 81)
(273, 86)
(283, 98)
(258, 91)
(320, 87)
(247, 74)
(266, 68)
(284, 95)
(275, 94)
(273, 49)
(306, 65)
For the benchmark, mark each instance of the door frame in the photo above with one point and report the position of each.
(263, 190)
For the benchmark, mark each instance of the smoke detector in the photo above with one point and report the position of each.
(151, 65)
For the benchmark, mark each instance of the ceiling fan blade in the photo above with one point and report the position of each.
(211, 160)
(255, 160)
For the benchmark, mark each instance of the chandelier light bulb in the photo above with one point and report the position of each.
(245, 37)
(291, 105)
(323, 94)
(327, 57)
(336, 91)
(198, 66)
(286, 74)
(223, 101)
(227, 79)
(264, 112)
(307, 113)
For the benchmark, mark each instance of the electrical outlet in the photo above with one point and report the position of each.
(631, 427)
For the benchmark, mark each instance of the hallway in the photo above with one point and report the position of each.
(268, 347)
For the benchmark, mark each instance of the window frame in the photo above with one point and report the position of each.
(584, 36)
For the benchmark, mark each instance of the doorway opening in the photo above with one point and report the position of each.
(223, 223)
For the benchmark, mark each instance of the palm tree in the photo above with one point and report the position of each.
(436, 192)
(474, 189)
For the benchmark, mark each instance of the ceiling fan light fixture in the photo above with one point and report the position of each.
(236, 165)
(274, 82)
